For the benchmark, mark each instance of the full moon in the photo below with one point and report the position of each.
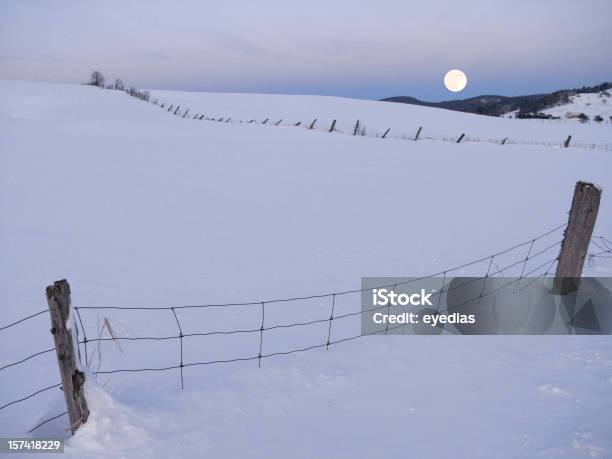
(455, 80)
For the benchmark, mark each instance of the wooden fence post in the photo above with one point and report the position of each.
(265, 121)
(582, 217)
(461, 137)
(416, 137)
(298, 123)
(312, 124)
(177, 109)
(278, 122)
(567, 141)
(386, 132)
(333, 126)
(73, 380)
(356, 128)
(503, 142)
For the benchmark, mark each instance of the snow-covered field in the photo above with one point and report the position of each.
(136, 207)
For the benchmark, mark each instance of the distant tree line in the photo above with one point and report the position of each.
(97, 79)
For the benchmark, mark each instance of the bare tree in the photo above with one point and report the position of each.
(119, 84)
(97, 79)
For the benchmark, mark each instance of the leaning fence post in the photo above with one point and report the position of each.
(567, 141)
(312, 124)
(73, 380)
(416, 137)
(582, 217)
(356, 128)
(461, 137)
(333, 126)
(386, 132)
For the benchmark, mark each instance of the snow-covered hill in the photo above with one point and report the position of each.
(591, 104)
(137, 207)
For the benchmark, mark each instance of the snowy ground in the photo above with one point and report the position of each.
(136, 207)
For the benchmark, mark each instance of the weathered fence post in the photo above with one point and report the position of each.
(582, 217)
(504, 140)
(386, 132)
(177, 109)
(298, 123)
(278, 122)
(265, 121)
(356, 128)
(312, 124)
(333, 126)
(461, 137)
(73, 380)
(416, 137)
(567, 141)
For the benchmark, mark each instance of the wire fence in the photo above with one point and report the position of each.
(534, 259)
(360, 130)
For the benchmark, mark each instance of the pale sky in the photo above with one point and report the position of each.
(359, 49)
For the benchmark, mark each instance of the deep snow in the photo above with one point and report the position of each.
(136, 207)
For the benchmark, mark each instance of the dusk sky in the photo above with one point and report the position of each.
(346, 48)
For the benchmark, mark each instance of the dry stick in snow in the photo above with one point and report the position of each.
(170, 108)
(278, 122)
(265, 121)
(386, 132)
(356, 128)
(228, 120)
(201, 117)
(195, 116)
(333, 126)
(220, 119)
(567, 141)
(186, 113)
(298, 123)
(177, 109)
(416, 137)
(312, 124)
(251, 121)
(461, 137)
(503, 142)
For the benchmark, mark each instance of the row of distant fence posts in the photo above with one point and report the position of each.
(332, 128)
(576, 239)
